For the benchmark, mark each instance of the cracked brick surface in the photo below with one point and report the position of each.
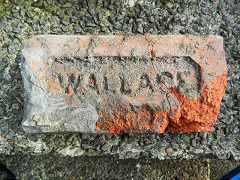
(115, 84)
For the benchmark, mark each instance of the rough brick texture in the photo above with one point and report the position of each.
(114, 84)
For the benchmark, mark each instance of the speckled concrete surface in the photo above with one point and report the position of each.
(20, 19)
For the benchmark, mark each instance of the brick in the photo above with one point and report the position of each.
(116, 84)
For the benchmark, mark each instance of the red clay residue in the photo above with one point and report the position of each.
(194, 115)
(200, 114)
(125, 119)
(52, 83)
(69, 92)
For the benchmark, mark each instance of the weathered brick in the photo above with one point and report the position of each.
(114, 84)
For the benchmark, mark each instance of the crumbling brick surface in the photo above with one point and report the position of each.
(114, 84)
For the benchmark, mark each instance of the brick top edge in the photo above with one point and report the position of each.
(146, 35)
(206, 51)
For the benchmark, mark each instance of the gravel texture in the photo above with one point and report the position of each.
(20, 19)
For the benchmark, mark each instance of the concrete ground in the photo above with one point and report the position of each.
(110, 167)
